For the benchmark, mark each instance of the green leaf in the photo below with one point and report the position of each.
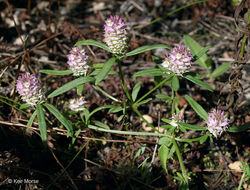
(144, 101)
(41, 122)
(163, 154)
(235, 129)
(175, 83)
(195, 49)
(115, 109)
(203, 138)
(192, 127)
(100, 108)
(197, 108)
(146, 48)
(201, 53)
(31, 120)
(93, 43)
(149, 72)
(96, 71)
(60, 117)
(120, 118)
(221, 69)
(79, 89)
(86, 114)
(165, 141)
(136, 90)
(72, 84)
(56, 72)
(163, 96)
(24, 106)
(198, 82)
(100, 124)
(171, 152)
(105, 70)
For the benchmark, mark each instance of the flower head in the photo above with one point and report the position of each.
(217, 122)
(178, 60)
(29, 88)
(77, 61)
(115, 34)
(77, 104)
(177, 118)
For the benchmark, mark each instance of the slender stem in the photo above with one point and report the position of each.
(106, 94)
(241, 181)
(123, 81)
(157, 86)
(141, 116)
(177, 150)
(173, 103)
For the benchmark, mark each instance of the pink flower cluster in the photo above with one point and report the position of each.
(217, 122)
(77, 61)
(178, 60)
(115, 35)
(177, 118)
(77, 104)
(29, 88)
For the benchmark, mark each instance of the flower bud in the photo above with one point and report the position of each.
(115, 35)
(178, 60)
(217, 122)
(77, 61)
(29, 89)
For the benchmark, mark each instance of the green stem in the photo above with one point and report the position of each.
(157, 86)
(141, 116)
(123, 81)
(108, 95)
(177, 150)
(241, 181)
(173, 103)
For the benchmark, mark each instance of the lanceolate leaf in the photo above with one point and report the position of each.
(72, 84)
(197, 108)
(163, 154)
(136, 90)
(146, 48)
(32, 119)
(105, 70)
(198, 82)
(56, 72)
(195, 48)
(93, 43)
(201, 53)
(192, 127)
(221, 69)
(149, 72)
(41, 122)
(175, 83)
(60, 117)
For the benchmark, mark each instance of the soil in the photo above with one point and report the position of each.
(41, 37)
